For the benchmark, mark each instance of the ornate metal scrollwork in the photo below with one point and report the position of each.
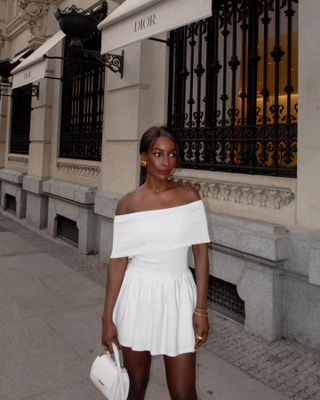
(79, 25)
(115, 62)
(32, 90)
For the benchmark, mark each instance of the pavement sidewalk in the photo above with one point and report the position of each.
(50, 332)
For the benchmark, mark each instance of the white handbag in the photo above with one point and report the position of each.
(109, 377)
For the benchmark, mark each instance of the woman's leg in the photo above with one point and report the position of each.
(137, 364)
(181, 377)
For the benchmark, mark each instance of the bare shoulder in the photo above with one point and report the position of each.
(189, 194)
(124, 204)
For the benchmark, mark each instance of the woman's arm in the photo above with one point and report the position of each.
(200, 323)
(116, 270)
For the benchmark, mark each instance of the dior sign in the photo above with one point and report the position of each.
(144, 23)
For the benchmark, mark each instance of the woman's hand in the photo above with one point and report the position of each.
(201, 329)
(116, 270)
(109, 335)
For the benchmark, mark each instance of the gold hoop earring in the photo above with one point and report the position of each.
(143, 163)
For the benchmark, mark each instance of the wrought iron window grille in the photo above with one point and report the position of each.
(20, 120)
(83, 103)
(232, 98)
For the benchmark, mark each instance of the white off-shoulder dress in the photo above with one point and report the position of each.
(157, 298)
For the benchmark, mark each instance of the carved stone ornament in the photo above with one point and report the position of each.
(249, 195)
(24, 160)
(85, 171)
(35, 13)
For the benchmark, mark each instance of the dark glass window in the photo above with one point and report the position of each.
(20, 119)
(233, 88)
(82, 102)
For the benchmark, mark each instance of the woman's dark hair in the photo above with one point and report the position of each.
(147, 140)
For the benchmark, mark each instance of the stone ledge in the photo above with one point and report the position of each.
(65, 190)
(18, 159)
(264, 240)
(12, 176)
(33, 184)
(240, 193)
(83, 170)
(106, 203)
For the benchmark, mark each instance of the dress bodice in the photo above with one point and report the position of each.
(153, 231)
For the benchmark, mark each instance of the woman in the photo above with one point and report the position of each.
(152, 305)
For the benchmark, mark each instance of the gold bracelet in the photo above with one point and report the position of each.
(203, 310)
(200, 314)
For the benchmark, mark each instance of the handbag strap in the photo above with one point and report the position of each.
(117, 359)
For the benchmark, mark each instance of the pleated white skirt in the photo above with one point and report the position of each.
(156, 302)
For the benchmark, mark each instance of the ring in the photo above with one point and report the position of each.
(199, 337)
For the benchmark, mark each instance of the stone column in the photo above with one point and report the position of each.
(3, 127)
(3, 131)
(3, 109)
(132, 105)
(40, 147)
(308, 188)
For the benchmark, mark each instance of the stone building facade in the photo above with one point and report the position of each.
(265, 228)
